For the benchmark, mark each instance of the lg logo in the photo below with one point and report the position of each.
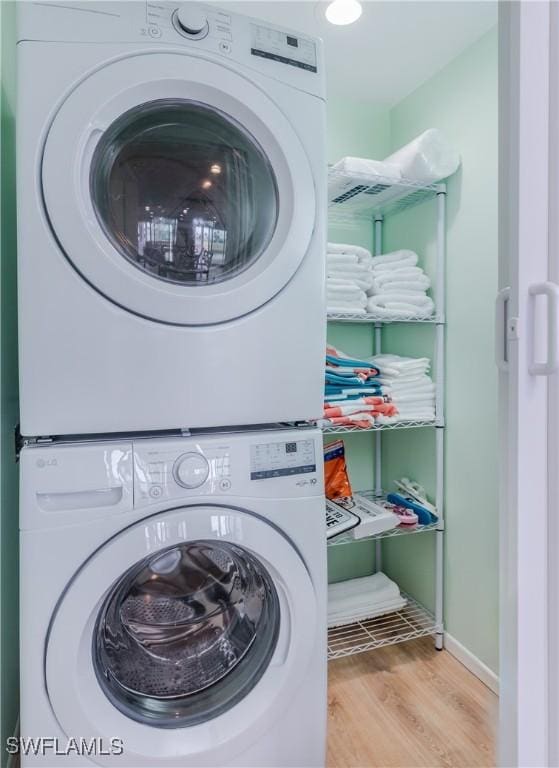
(42, 463)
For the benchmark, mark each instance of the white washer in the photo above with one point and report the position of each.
(171, 218)
(173, 598)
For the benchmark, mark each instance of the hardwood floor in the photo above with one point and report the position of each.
(408, 706)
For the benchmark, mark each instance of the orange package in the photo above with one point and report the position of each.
(336, 480)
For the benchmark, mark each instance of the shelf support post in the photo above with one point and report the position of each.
(439, 410)
(377, 348)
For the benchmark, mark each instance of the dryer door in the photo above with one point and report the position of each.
(177, 637)
(178, 189)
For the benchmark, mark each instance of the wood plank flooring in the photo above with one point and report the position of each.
(408, 706)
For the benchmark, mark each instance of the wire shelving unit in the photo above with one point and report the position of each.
(378, 427)
(354, 198)
(357, 317)
(409, 623)
(401, 530)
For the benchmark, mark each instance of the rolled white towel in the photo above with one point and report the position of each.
(370, 167)
(429, 157)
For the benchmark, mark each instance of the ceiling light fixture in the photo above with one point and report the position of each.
(342, 12)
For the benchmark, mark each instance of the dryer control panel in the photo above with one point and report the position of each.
(195, 28)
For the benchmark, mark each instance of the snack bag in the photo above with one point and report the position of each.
(336, 480)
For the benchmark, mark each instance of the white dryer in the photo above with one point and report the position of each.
(171, 218)
(173, 601)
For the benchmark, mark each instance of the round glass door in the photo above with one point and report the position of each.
(184, 192)
(185, 634)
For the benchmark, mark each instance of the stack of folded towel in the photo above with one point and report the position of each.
(399, 287)
(361, 599)
(348, 277)
(353, 394)
(411, 389)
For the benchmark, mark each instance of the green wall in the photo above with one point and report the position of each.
(461, 100)
(363, 130)
(9, 698)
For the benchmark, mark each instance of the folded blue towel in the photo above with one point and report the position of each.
(345, 381)
(348, 362)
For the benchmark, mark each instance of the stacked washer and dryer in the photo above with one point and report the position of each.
(171, 237)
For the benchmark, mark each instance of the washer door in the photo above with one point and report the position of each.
(177, 637)
(178, 189)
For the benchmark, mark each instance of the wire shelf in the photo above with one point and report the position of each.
(404, 530)
(359, 196)
(411, 622)
(355, 317)
(378, 427)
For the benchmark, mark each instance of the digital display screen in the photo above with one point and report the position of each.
(276, 45)
(282, 459)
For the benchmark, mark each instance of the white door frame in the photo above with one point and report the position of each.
(522, 328)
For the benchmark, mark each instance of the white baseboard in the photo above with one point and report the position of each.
(471, 662)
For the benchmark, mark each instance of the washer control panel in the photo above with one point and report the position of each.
(217, 466)
(174, 469)
(278, 459)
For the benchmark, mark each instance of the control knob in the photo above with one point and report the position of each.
(191, 470)
(192, 20)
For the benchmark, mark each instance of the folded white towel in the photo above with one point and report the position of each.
(400, 362)
(369, 167)
(415, 286)
(362, 598)
(339, 282)
(349, 269)
(419, 415)
(416, 380)
(342, 259)
(358, 300)
(363, 281)
(363, 254)
(383, 276)
(343, 309)
(400, 305)
(395, 257)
